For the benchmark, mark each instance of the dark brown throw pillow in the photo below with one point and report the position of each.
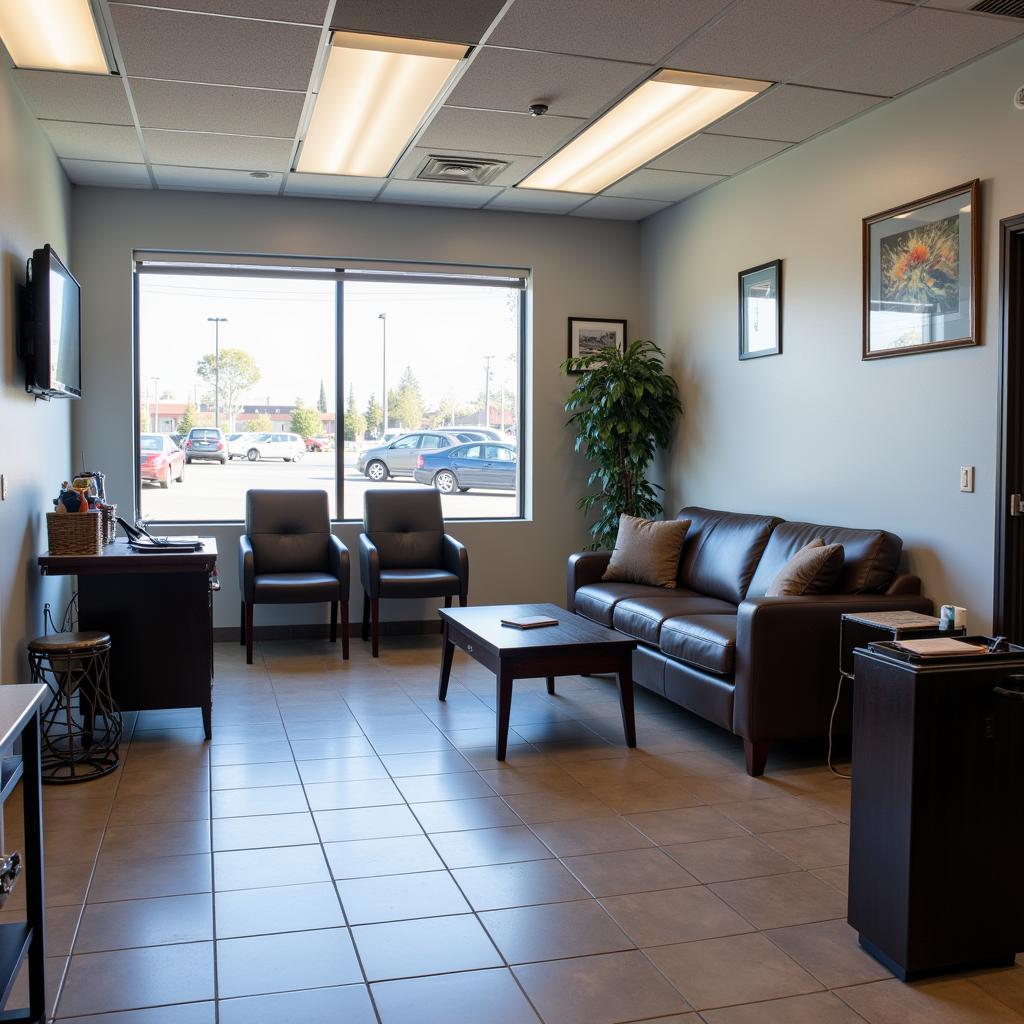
(814, 569)
(647, 552)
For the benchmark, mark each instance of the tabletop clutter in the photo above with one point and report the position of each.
(82, 520)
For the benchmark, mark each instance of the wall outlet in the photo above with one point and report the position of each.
(967, 479)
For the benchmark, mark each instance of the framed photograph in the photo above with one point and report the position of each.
(587, 335)
(761, 311)
(922, 273)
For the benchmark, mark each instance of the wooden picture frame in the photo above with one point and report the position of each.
(760, 310)
(590, 334)
(922, 275)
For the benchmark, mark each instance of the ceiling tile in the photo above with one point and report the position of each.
(196, 149)
(213, 179)
(305, 12)
(218, 51)
(792, 113)
(454, 21)
(437, 193)
(534, 200)
(641, 30)
(513, 79)
(93, 141)
(489, 131)
(103, 172)
(333, 186)
(912, 50)
(718, 154)
(216, 108)
(99, 99)
(519, 166)
(612, 208)
(669, 186)
(774, 39)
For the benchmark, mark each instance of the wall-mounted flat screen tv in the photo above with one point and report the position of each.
(53, 330)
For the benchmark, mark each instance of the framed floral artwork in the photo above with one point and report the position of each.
(922, 266)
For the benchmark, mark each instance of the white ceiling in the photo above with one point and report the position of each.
(213, 92)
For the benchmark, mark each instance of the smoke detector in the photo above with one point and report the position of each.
(468, 170)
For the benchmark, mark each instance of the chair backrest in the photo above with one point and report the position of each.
(406, 525)
(289, 530)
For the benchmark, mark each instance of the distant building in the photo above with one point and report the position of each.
(164, 417)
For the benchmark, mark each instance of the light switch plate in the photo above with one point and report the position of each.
(967, 479)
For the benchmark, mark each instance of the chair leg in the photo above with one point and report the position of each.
(375, 625)
(366, 615)
(344, 630)
(448, 601)
(248, 634)
(241, 631)
(334, 622)
(463, 600)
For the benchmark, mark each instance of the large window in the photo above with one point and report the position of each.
(240, 372)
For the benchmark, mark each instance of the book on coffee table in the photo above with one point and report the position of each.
(529, 622)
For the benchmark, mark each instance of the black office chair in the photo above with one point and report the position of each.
(406, 553)
(288, 555)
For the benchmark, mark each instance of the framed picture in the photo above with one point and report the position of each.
(761, 310)
(922, 273)
(587, 336)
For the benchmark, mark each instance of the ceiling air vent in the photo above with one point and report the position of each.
(1008, 8)
(470, 170)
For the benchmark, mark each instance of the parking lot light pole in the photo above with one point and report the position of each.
(383, 318)
(216, 321)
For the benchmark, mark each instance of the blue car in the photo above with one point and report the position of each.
(491, 467)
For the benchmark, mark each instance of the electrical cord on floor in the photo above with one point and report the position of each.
(831, 724)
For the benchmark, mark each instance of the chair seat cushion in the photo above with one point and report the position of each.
(642, 617)
(418, 583)
(296, 588)
(705, 641)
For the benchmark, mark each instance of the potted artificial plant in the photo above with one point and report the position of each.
(624, 407)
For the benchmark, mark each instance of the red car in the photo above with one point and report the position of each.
(313, 445)
(160, 460)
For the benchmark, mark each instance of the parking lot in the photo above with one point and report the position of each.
(214, 492)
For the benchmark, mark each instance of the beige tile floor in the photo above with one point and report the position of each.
(347, 849)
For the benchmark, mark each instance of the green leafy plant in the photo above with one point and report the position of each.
(624, 408)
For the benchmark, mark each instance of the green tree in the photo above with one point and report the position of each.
(372, 415)
(355, 421)
(238, 373)
(261, 423)
(306, 421)
(188, 418)
(408, 405)
(321, 402)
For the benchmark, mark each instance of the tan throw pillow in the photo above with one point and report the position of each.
(814, 569)
(647, 552)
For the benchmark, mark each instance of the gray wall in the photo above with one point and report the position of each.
(816, 433)
(35, 437)
(580, 267)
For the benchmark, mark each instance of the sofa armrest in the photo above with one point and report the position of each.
(338, 563)
(369, 566)
(585, 567)
(787, 660)
(905, 584)
(456, 560)
(246, 569)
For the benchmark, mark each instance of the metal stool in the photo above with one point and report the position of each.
(81, 727)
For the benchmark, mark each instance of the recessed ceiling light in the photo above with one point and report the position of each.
(663, 111)
(258, 174)
(375, 92)
(53, 35)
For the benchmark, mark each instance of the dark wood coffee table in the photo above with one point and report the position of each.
(575, 646)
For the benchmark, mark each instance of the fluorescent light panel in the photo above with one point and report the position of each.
(664, 110)
(53, 35)
(374, 94)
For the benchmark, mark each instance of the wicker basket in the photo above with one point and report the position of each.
(74, 533)
(109, 514)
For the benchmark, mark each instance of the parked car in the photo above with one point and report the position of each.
(399, 457)
(206, 443)
(314, 444)
(491, 467)
(289, 447)
(160, 460)
(238, 444)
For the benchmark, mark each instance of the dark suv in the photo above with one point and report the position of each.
(206, 443)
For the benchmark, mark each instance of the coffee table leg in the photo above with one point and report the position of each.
(447, 651)
(504, 681)
(551, 684)
(625, 677)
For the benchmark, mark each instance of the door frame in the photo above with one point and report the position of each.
(1008, 597)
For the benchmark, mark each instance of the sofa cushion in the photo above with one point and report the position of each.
(722, 551)
(641, 617)
(871, 556)
(647, 552)
(705, 641)
(597, 601)
(814, 569)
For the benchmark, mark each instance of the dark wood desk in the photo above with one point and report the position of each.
(158, 610)
(572, 647)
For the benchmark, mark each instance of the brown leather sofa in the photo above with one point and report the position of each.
(764, 667)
